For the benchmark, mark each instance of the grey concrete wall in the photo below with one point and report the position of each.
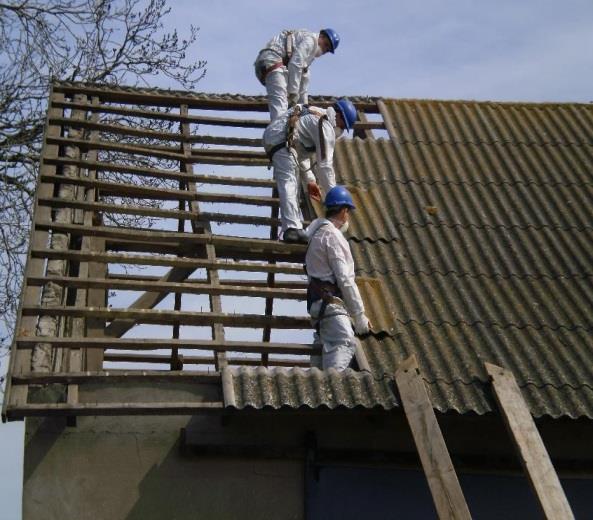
(131, 468)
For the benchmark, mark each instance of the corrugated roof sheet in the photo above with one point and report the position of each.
(478, 220)
(259, 387)
(473, 241)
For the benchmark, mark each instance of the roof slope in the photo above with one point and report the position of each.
(478, 223)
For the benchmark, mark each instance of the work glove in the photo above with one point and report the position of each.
(313, 190)
(361, 324)
(292, 100)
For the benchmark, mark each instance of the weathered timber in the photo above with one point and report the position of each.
(132, 190)
(119, 129)
(21, 361)
(217, 328)
(179, 247)
(193, 101)
(439, 471)
(161, 213)
(77, 326)
(286, 284)
(164, 174)
(389, 126)
(163, 317)
(96, 298)
(256, 347)
(528, 442)
(250, 244)
(174, 287)
(164, 152)
(361, 358)
(360, 131)
(200, 360)
(158, 408)
(115, 376)
(167, 116)
(185, 262)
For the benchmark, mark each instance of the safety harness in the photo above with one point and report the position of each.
(291, 129)
(318, 289)
(262, 71)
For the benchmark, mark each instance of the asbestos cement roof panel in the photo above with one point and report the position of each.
(477, 221)
(313, 388)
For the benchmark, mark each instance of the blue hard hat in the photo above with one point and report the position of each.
(338, 196)
(348, 111)
(333, 37)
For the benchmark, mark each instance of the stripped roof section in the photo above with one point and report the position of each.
(170, 97)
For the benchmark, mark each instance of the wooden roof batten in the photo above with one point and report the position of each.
(106, 155)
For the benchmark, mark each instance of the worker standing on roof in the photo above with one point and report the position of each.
(282, 66)
(290, 141)
(333, 297)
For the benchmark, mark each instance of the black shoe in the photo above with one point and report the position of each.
(295, 236)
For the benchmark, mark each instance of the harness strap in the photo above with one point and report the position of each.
(322, 137)
(289, 47)
(318, 289)
(275, 148)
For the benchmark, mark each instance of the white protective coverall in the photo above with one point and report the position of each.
(293, 79)
(288, 163)
(329, 259)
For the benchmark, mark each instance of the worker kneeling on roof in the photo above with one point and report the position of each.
(333, 297)
(290, 141)
(282, 66)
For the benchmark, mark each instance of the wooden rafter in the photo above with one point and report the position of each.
(85, 126)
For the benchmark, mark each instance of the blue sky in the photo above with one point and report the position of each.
(456, 49)
(529, 50)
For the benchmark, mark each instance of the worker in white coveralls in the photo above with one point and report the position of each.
(282, 66)
(291, 141)
(333, 299)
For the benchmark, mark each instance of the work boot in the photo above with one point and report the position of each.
(295, 236)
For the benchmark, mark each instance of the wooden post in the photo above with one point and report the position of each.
(212, 274)
(526, 438)
(77, 325)
(20, 361)
(387, 120)
(436, 462)
(363, 133)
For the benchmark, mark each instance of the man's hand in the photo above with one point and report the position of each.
(362, 325)
(292, 100)
(314, 191)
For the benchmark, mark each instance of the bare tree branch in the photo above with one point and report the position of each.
(111, 41)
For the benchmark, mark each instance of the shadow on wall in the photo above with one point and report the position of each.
(42, 433)
(190, 487)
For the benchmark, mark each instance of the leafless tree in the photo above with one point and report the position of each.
(110, 41)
